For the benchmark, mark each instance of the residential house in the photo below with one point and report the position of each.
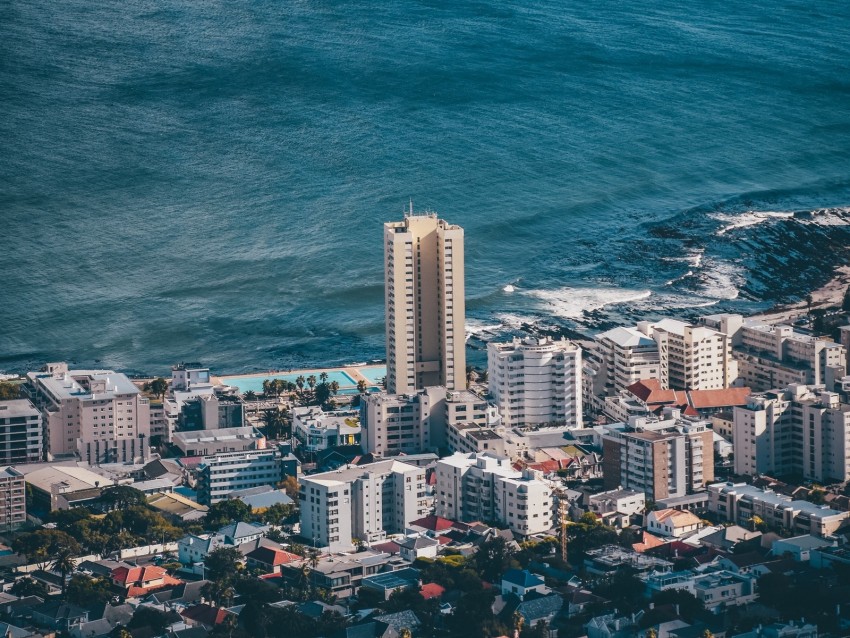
(138, 581)
(269, 559)
(672, 522)
(521, 582)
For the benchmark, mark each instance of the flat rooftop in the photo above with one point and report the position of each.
(17, 408)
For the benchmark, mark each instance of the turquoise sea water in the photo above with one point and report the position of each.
(207, 181)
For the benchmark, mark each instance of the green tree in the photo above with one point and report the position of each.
(64, 563)
(121, 497)
(274, 423)
(277, 513)
(29, 587)
(250, 395)
(492, 558)
(299, 383)
(228, 511)
(83, 590)
(152, 617)
(290, 486)
(9, 391)
(362, 386)
(157, 387)
(42, 545)
(222, 564)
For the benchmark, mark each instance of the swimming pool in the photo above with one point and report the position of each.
(348, 391)
(255, 382)
(374, 374)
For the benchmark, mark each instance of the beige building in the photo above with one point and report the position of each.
(693, 357)
(425, 307)
(536, 381)
(485, 487)
(417, 422)
(99, 415)
(800, 430)
(366, 502)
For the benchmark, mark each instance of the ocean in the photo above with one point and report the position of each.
(207, 181)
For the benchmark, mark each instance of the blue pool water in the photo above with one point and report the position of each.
(348, 391)
(6, 552)
(375, 375)
(255, 383)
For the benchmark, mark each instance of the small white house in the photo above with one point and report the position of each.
(414, 547)
(672, 523)
(521, 582)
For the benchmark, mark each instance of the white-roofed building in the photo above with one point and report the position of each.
(99, 415)
(21, 438)
(366, 502)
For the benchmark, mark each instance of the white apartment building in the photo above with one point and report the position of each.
(664, 459)
(365, 502)
(739, 502)
(13, 502)
(627, 355)
(100, 415)
(417, 422)
(425, 305)
(771, 357)
(482, 487)
(536, 381)
(186, 377)
(21, 438)
(800, 430)
(317, 430)
(225, 472)
(692, 357)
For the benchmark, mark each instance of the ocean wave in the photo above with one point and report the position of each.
(749, 218)
(721, 280)
(573, 303)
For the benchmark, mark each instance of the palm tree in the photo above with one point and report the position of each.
(311, 381)
(64, 563)
(314, 557)
(323, 377)
(362, 386)
(250, 395)
(518, 621)
(267, 387)
(299, 383)
(334, 386)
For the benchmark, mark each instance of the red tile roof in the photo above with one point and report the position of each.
(650, 392)
(434, 523)
(272, 556)
(706, 399)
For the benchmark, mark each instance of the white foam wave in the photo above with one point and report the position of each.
(828, 217)
(509, 288)
(749, 218)
(572, 303)
(721, 280)
(478, 326)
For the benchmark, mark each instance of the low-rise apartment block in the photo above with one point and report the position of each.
(99, 415)
(739, 503)
(210, 442)
(21, 438)
(536, 381)
(481, 487)
(317, 430)
(224, 472)
(664, 458)
(365, 502)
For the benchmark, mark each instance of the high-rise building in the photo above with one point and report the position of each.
(100, 415)
(536, 381)
(225, 472)
(13, 502)
(800, 430)
(423, 262)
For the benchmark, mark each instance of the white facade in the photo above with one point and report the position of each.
(672, 522)
(366, 502)
(625, 502)
(318, 430)
(222, 473)
(627, 355)
(100, 415)
(187, 377)
(481, 487)
(412, 423)
(797, 430)
(536, 381)
(425, 305)
(692, 357)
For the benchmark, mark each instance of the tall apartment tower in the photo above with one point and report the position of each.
(425, 306)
